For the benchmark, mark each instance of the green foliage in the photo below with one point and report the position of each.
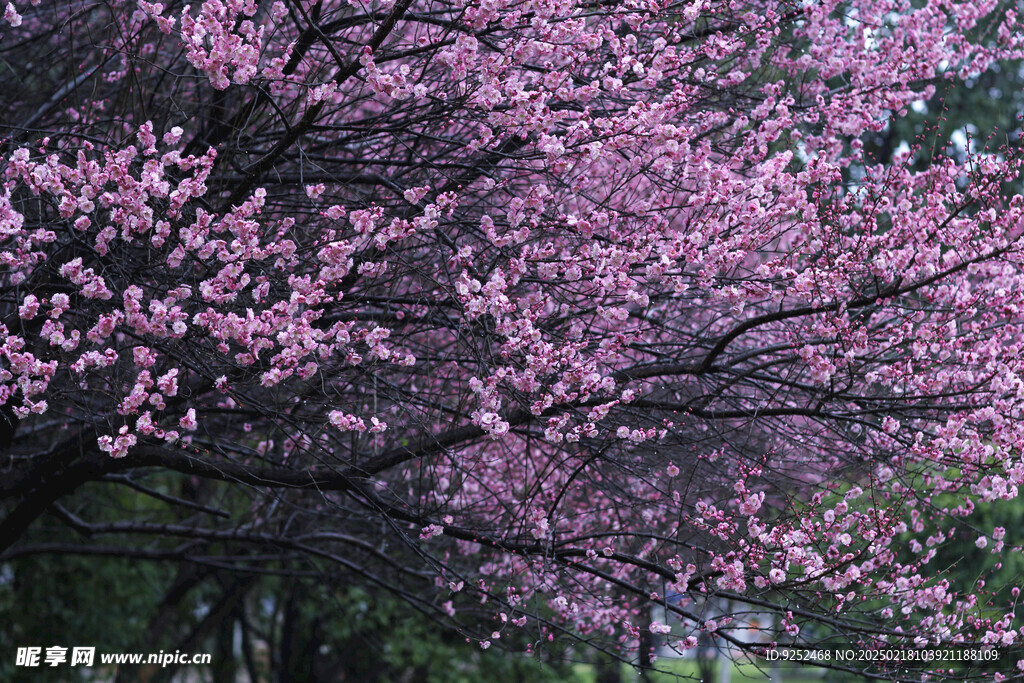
(377, 637)
(983, 110)
(75, 601)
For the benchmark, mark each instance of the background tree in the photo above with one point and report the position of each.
(528, 314)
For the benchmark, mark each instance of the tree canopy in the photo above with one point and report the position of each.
(523, 316)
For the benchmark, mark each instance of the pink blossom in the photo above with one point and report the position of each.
(431, 530)
(629, 290)
(188, 421)
(29, 307)
(117, 447)
(168, 382)
(751, 504)
(11, 15)
(345, 422)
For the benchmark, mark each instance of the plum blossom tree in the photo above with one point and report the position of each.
(534, 313)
